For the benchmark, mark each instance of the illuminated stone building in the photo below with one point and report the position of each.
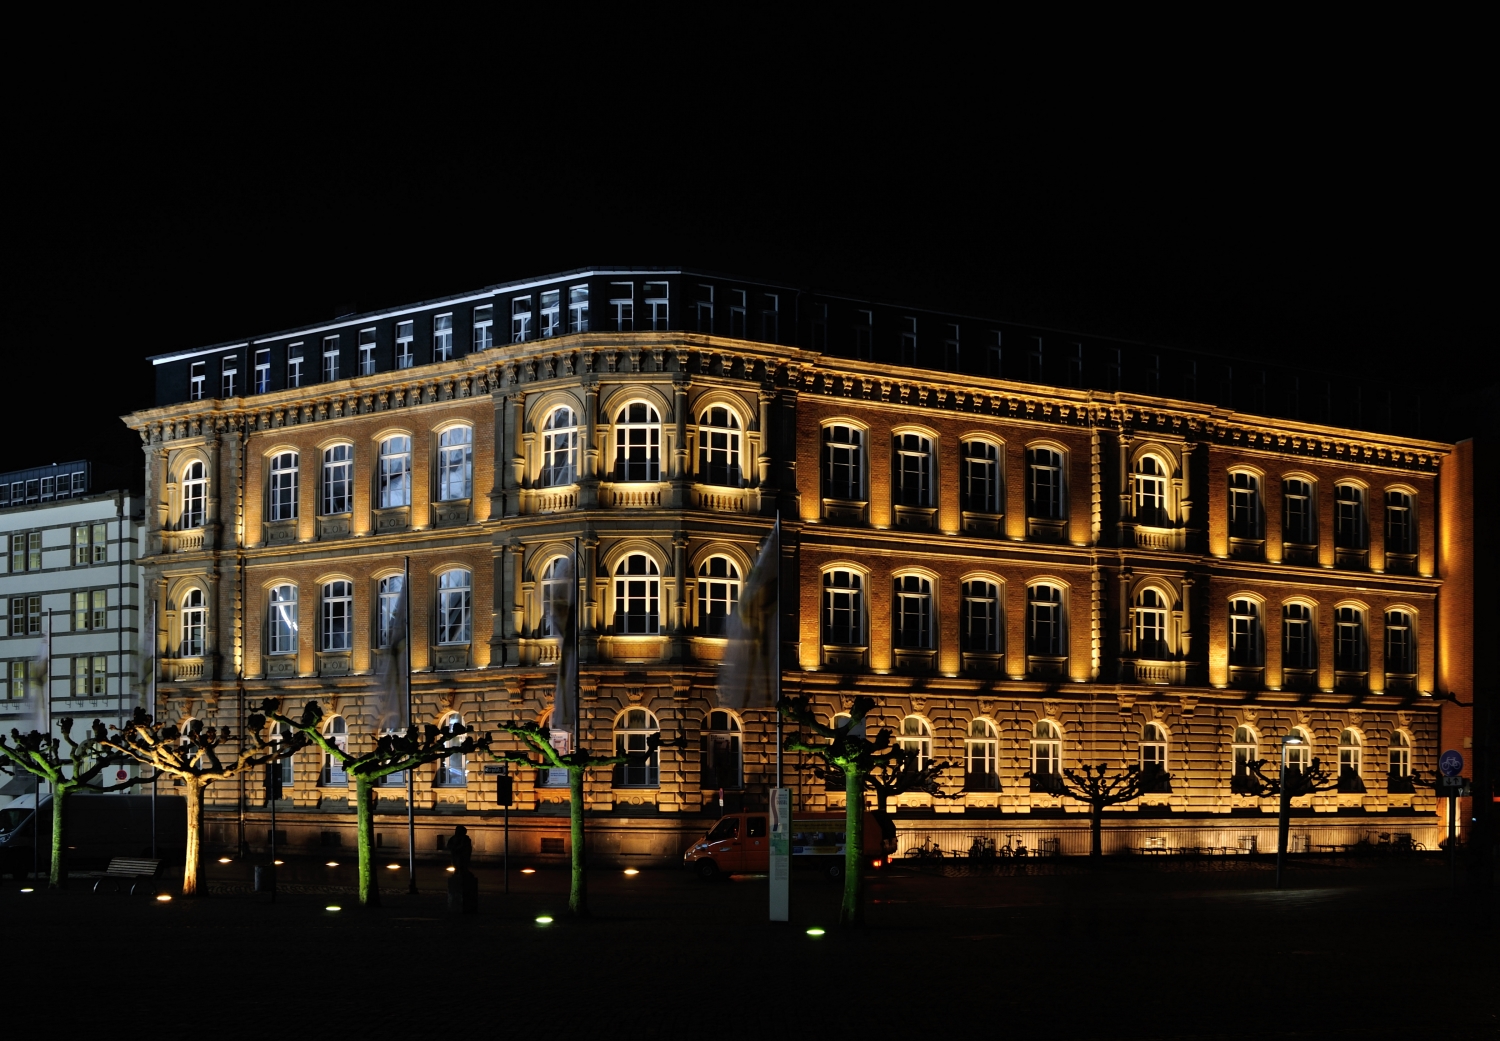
(1034, 549)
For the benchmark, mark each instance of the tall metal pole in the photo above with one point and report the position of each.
(776, 646)
(151, 693)
(1453, 838)
(411, 780)
(577, 672)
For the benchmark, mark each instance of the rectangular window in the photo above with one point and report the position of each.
(981, 477)
(18, 552)
(864, 335)
(819, 314)
(738, 308)
(367, 352)
(1074, 352)
(1112, 370)
(404, 338)
(951, 358)
(99, 609)
(101, 543)
(196, 375)
(80, 677)
(484, 327)
(520, 319)
(81, 554)
(908, 341)
(1044, 484)
(578, 309)
(1151, 374)
(25, 615)
(656, 305)
(1400, 531)
(1244, 505)
(283, 487)
(1034, 361)
(1190, 380)
(262, 371)
(338, 479)
(1297, 500)
(33, 551)
(993, 358)
(704, 307)
(551, 313)
(100, 675)
(49, 488)
(622, 300)
(80, 612)
(294, 365)
(1349, 517)
(229, 371)
(442, 337)
(330, 358)
(770, 318)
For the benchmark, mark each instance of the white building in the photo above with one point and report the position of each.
(69, 578)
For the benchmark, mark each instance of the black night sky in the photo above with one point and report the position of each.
(1291, 203)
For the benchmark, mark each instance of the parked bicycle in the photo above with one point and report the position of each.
(982, 848)
(1018, 850)
(926, 851)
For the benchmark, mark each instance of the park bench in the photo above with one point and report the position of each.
(134, 870)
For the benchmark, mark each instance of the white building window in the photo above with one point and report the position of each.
(1153, 749)
(655, 294)
(282, 623)
(367, 352)
(1151, 492)
(338, 479)
(578, 309)
(633, 730)
(738, 309)
(1351, 755)
(981, 478)
(1400, 523)
(622, 302)
(843, 609)
(452, 770)
(952, 354)
(388, 590)
(294, 365)
(1297, 758)
(770, 318)
(262, 371)
(1044, 621)
(913, 613)
(484, 327)
(864, 335)
(556, 577)
(1046, 752)
(637, 443)
(1244, 633)
(337, 630)
(229, 374)
(718, 594)
(1244, 505)
(284, 768)
(916, 737)
(1246, 752)
(981, 617)
(455, 463)
(843, 462)
(1044, 484)
(283, 486)
(551, 313)
(1349, 517)
(1400, 755)
(333, 774)
(520, 319)
(981, 757)
(705, 308)
(395, 472)
(914, 464)
(442, 337)
(455, 618)
(637, 596)
(197, 374)
(1151, 626)
(1298, 641)
(993, 357)
(330, 358)
(1349, 640)
(719, 447)
(559, 449)
(405, 334)
(908, 341)
(719, 752)
(1299, 516)
(194, 495)
(193, 615)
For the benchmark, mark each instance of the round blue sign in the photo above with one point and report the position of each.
(1451, 763)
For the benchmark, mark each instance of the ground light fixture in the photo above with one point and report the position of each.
(333, 907)
(332, 863)
(631, 871)
(164, 898)
(225, 860)
(28, 889)
(451, 868)
(544, 920)
(528, 871)
(815, 932)
(278, 863)
(393, 867)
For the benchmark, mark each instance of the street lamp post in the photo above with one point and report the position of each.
(1284, 818)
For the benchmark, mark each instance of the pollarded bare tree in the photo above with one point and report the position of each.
(198, 756)
(1101, 790)
(393, 753)
(41, 756)
(900, 774)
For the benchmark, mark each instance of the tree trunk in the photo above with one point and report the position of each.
(578, 895)
(852, 910)
(369, 885)
(1096, 825)
(57, 879)
(194, 838)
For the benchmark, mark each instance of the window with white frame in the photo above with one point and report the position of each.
(914, 464)
(633, 731)
(556, 577)
(1351, 754)
(283, 488)
(262, 371)
(1151, 626)
(864, 335)
(1153, 749)
(916, 737)
(637, 596)
(229, 375)
(1246, 751)
(1297, 757)
(718, 594)
(405, 336)
(1244, 505)
(1044, 484)
(1244, 632)
(197, 375)
(294, 365)
(622, 303)
(637, 443)
(559, 449)
(818, 313)
(1044, 621)
(330, 358)
(394, 475)
(1298, 640)
(455, 607)
(452, 769)
(337, 630)
(194, 494)
(994, 358)
(1400, 649)
(1151, 492)
(843, 608)
(981, 478)
(738, 310)
(442, 337)
(91, 675)
(484, 327)
(719, 447)
(1299, 516)
(283, 769)
(908, 341)
(367, 352)
(193, 615)
(338, 479)
(913, 613)
(455, 463)
(282, 621)
(1349, 516)
(655, 296)
(1400, 523)
(1399, 762)
(719, 752)
(843, 462)
(705, 308)
(770, 317)
(520, 319)
(1046, 751)
(336, 731)
(1349, 639)
(952, 356)
(388, 594)
(981, 757)
(551, 313)
(980, 622)
(578, 309)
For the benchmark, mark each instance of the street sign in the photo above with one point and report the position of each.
(1451, 763)
(1452, 788)
(781, 854)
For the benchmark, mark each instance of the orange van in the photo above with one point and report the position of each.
(740, 843)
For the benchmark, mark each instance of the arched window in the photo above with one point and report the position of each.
(395, 472)
(916, 737)
(1399, 770)
(336, 633)
(194, 495)
(1044, 621)
(1244, 633)
(1298, 640)
(1244, 505)
(914, 462)
(981, 478)
(719, 447)
(1044, 484)
(981, 757)
(1153, 756)
(559, 449)
(633, 730)
(981, 617)
(193, 611)
(1351, 762)
(554, 590)
(283, 486)
(843, 463)
(333, 775)
(637, 596)
(282, 770)
(1400, 650)
(718, 593)
(389, 592)
(1349, 517)
(1151, 626)
(455, 463)
(452, 771)
(1400, 524)
(637, 443)
(1151, 492)
(1299, 513)
(1246, 754)
(283, 620)
(720, 752)
(1349, 640)
(455, 615)
(913, 613)
(843, 609)
(1297, 757)
(1046, 756)
(338, 479)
